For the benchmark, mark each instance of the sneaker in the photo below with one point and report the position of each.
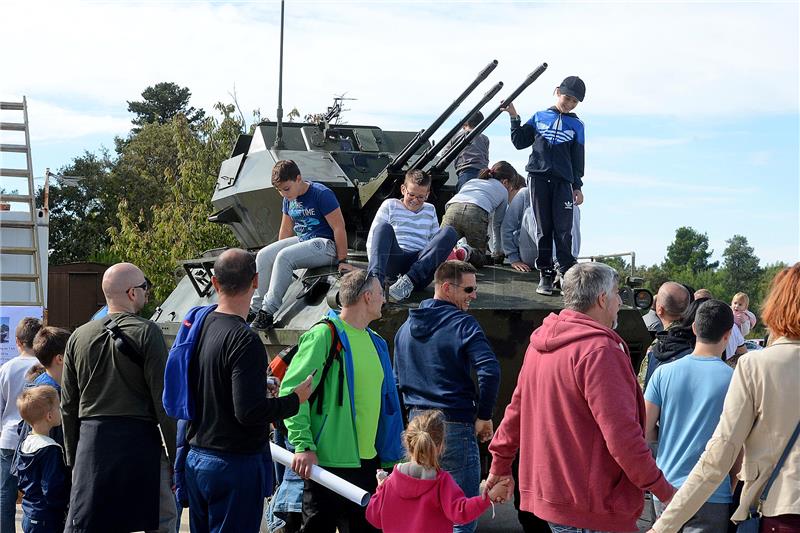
(251, 315)
(264, 321)
(458, 254)
(557, 282)
(546, 279)
(401, 289)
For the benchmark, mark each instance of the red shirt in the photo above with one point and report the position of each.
(577, 417)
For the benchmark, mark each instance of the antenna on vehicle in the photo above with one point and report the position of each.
(279, 130)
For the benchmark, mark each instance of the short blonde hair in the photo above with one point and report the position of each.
(35, 402)
(743, 296)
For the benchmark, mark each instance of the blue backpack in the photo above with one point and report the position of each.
(177, 396)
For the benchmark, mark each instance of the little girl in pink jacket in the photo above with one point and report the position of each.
(420, 497)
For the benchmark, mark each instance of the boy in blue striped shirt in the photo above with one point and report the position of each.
(405, 238)
(555, 169)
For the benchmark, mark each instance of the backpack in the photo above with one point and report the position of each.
(280, 363)
(177, 397)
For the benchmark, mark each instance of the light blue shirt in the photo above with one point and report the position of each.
(690, 392)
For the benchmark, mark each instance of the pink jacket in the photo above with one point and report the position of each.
(404, 503)
(577, 417)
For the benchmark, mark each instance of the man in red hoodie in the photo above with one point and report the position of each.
(577, 417)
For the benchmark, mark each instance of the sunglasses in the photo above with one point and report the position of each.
(469, 289)
(365, 283)
(145, 285)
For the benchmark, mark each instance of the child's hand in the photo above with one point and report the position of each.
(502, 491)
(381, 476)
(510, 109)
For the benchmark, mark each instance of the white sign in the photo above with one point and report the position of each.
(9, 318)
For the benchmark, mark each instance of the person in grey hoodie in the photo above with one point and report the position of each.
(435, 352)
(518, 232)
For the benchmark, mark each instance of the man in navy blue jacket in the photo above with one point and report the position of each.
(435, 351)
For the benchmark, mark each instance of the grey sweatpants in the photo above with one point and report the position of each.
(276, 262)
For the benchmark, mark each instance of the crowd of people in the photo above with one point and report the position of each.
(87, 437)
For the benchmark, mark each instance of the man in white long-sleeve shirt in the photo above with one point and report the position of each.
(12, 380)
(405, 238)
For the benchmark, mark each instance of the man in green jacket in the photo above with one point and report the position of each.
(353, 427)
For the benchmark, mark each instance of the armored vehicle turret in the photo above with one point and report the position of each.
(364, 165)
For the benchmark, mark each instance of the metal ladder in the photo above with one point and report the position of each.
(19, 285)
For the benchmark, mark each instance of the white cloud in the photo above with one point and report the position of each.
(398, 58)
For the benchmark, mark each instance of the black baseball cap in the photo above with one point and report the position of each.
(573, 86)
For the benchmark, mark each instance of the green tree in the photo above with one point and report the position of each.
(689, 249)
(741, 271)
(179, 227)
(80, 214)
(161, 103)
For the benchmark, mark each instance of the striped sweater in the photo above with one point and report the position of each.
(413, 229)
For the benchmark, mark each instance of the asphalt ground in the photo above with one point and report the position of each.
(505, 520)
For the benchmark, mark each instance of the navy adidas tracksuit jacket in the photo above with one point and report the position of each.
(557, 141)
(555, 169)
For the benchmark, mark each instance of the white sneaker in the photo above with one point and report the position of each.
(401, 289)
(467, 251)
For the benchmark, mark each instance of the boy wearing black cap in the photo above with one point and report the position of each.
(555, 169)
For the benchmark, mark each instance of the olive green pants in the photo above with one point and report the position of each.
(472, 223)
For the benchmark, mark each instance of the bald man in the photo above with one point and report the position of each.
(671, 302)
(111, 408)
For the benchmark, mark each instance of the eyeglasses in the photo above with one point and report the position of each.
(469, 289)
(420, 197)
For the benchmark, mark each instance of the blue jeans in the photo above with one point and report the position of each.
(466, 175)
(461, 459)
(8, 492)
(557, 528)
(388, 259)
(41, 526)
(226, 490)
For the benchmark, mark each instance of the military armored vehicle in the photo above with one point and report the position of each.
(364, 165)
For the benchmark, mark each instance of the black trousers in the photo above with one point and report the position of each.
(552, 199)
(324, 511)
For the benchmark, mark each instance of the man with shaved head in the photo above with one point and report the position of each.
(113, 380)
(671, 302)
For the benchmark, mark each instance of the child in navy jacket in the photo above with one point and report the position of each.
(41, 471)
(555, 169)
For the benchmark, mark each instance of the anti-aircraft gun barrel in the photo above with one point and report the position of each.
(456, 149)
(428, 156)
(423, 136)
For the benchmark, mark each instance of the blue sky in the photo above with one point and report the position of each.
(691, 110)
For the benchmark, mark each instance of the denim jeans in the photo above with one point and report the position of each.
(30, 525)
(8, 492)
(276, 262)
(461, 459)
(388, 259)
(557, 528)
(226, 490)
(466, 175)
(710, 517)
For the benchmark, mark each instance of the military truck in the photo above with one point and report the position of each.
(364, 165)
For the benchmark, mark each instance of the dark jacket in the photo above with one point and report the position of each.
(435, 351)
(44, 479)
(558, 145)
(669, 346)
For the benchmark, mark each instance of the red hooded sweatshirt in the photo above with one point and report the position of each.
(404, 503)
(577, 417)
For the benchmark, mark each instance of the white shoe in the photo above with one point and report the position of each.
(401, 289)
